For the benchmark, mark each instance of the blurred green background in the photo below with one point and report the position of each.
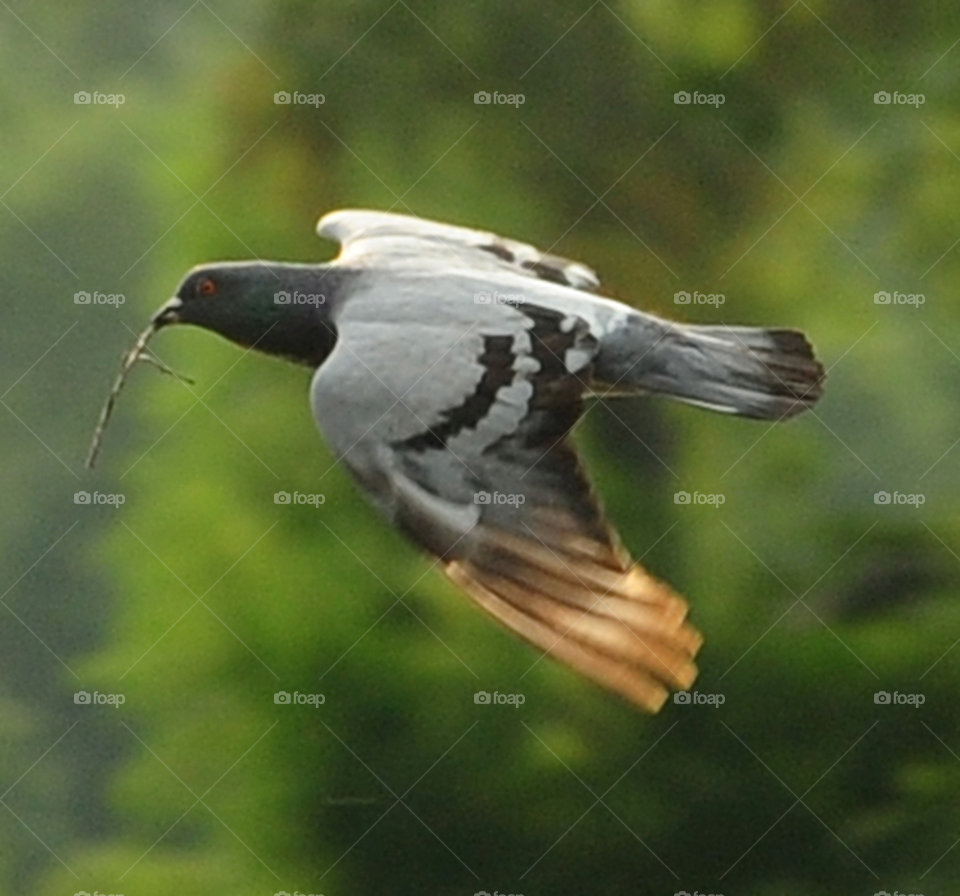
(200, 164)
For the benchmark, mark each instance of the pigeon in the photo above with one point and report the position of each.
(451, 365)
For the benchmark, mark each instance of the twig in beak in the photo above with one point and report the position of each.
(156, 362)
(137, 353)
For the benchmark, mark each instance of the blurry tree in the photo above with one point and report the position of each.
(798, 198)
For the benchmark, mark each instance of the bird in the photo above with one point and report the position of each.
(451, 365)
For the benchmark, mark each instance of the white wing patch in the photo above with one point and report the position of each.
(403, 237)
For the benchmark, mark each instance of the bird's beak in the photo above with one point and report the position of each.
(168, 314)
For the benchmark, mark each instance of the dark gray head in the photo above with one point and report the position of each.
(281, 309)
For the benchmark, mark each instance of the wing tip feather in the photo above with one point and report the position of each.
(584, 647)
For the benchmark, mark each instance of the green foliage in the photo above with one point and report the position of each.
(200, 598)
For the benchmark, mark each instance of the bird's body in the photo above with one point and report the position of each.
(451, 365)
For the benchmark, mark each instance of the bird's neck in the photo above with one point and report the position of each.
(293, 322)
(303, 334)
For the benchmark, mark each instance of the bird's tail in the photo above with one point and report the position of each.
(767, 374)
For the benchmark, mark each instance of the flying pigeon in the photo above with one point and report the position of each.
(451, 365)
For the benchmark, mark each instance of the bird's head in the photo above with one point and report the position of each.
(280, 309)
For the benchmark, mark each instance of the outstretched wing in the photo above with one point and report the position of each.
(457, 426)
(403, 237)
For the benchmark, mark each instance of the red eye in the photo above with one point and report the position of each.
(207, 287)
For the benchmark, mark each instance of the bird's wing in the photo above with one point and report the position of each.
(457, 426)
(371, 234)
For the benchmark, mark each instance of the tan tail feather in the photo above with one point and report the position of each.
(633, 641)
(620, 677)
(624, 580)
(613, 638)
(562, 529)
(660, 620)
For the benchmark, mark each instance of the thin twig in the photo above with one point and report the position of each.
(137, 353)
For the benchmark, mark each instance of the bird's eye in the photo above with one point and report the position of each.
(207, 287)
